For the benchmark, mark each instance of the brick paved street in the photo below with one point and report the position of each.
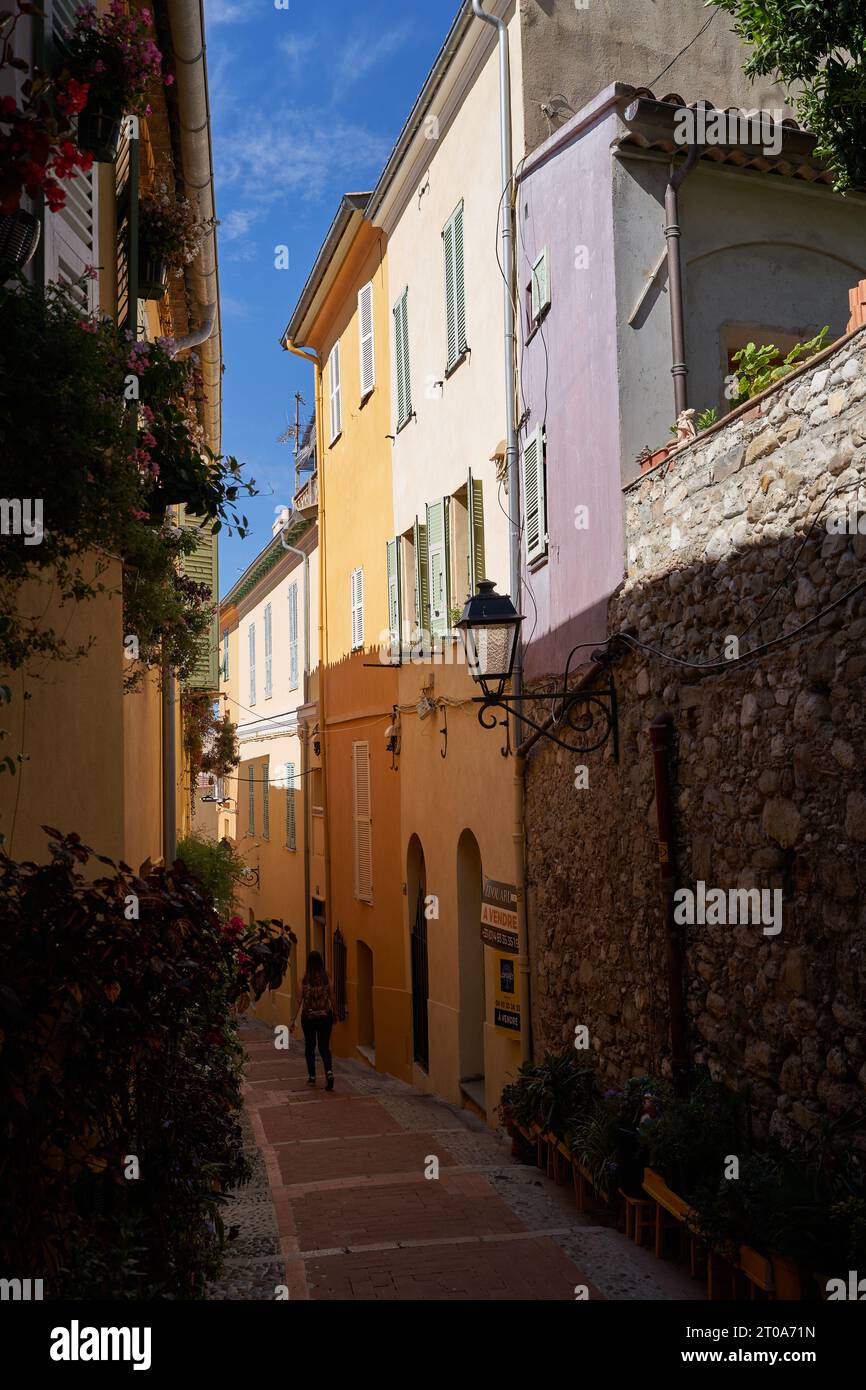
(340, 1208)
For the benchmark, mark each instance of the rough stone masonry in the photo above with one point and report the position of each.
(737, 536)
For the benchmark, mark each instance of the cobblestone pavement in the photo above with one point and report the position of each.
(339, 1206)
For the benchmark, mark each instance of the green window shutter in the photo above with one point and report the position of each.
(540, 285)
(534, 525)
(201, 566)
(455, 287)
(269, 653)
(395, 606)
(291, 829)
(401, 357)
(438, 567)
(251, 637)
(475, 498)
(251, 805)
(293, 636)
(422, 590)
(266, 801)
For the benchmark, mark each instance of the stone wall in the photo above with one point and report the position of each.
(768, 768)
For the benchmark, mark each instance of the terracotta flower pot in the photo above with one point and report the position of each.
(152, 275)
(99, 132)
(19, 238)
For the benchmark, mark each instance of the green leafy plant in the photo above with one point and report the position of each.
(758, 368)
(215, 864)
(119, 1038)
(706, 418)
(819, 48)
(210, 740)
(690, 1136)
(115, 55)
(551, 1092)
(169, 227)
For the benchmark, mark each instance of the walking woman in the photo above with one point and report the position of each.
(318, 1010)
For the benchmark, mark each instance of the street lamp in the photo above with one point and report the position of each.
(490, 628)
(581, 720)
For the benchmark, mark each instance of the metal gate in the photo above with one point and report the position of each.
(420, 990)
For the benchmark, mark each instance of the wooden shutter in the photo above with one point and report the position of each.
(293, 636)
(334, 388)
(71, 235)
(362, 825)
(401, 358)
(365, 336)
(357, 601)
(540, 285)
(439, 586)
(422, 575)
(252, 643)
(251, 803)
(269, 653)
(533, 495)
(455, 287)
(201, 566)
(395, 606)
(291, 828)
(475, 499)
(266, 801)
(225, 670)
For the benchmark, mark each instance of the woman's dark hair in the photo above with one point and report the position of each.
(316, 972)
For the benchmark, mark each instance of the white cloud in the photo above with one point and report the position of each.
(296, 47)
(237, 223)
(363, 52)
(299, 154)
(230, 11)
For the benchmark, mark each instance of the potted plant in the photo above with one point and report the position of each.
(170, 235)
(115, 56)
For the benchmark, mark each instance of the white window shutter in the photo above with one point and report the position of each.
(362, 822)
(395, 607)
(475, 499)
(293, 636)
(357, 601)
(438, 567)
(252, 647)
(335, 393)
(366, 340)
(534, 495)
(540, 285)
(291, 828)
(269, 654)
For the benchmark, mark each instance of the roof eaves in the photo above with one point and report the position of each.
(351, 205)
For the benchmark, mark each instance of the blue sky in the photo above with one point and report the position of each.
(306, 104)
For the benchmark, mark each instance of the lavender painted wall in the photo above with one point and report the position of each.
(570, 385)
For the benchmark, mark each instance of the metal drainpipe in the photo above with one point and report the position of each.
(513, 465)
(679, 370)
(296, 550)
(661, 733)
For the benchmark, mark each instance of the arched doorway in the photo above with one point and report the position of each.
(471, 960)
(366, 1035)
(416, 887)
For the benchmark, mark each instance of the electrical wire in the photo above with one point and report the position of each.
(704, 27)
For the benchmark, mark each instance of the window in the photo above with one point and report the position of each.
(422, 577)
(438, 567)
(361, 822)
(251, 805)
(336, 398)
(71, 235)
(221, 789)
(252, 641)
(395, 606)
(401, 358)
(534, 495)
(225, 655)
(455, 289)
(539, 289)
(269, 653)
(291, 831)
(266, 801)
(357, 600)
(366, 340)
(293, 636)
(475, 501)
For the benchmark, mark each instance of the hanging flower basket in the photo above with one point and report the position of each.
(152, 276)
(99, 131)
(19, 237)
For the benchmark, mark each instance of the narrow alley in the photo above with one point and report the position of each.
(339, 1206)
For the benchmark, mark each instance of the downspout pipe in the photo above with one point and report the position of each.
(679, 369)
(201, 335)
(512, 458)
(661, 738)
(296, 550)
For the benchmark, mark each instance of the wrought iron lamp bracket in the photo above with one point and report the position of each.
(584, 722)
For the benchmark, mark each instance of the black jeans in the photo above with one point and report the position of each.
(317, 1030)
